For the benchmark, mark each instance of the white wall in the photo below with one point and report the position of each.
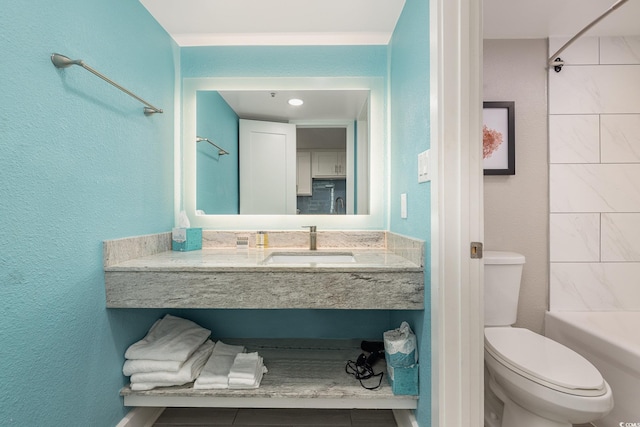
(516, 207)
(594, 154)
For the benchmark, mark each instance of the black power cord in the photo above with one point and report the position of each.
(362, 368)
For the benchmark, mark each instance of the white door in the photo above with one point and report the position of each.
(267, 168)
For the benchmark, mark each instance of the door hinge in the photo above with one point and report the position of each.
(476, 250)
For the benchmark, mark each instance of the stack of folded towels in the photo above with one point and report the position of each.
(173, 352)
(247, 371)
(230, 367)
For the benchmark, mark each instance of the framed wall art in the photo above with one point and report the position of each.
(498, 138)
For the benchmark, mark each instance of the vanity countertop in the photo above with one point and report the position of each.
(137, 275)
(221, 260)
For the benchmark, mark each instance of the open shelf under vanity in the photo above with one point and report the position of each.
(303, 373)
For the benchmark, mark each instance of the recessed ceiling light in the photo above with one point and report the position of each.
(296, 102)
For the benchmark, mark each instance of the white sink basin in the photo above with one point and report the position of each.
(310, 258)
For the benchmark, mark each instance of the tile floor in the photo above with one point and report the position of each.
(201, 417)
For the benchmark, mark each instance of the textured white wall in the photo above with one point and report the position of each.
(516, 207)
(594, 143)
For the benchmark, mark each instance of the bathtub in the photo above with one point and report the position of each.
(611, 341)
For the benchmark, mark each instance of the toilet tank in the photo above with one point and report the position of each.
(502, 274)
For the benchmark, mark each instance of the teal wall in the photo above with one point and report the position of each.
(409, 104)
(80, 164)
(283, 61)
(217, 179)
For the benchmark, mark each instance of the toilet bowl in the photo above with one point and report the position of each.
(539, 382)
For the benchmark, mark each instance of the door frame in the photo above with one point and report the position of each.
(457, 213)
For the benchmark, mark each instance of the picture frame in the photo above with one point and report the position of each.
(498, 138)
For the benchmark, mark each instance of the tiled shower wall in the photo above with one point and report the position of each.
(594, 175)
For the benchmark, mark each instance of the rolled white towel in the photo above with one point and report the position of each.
(215, 373)
(187, 373)
(170, 338)
(137, 366)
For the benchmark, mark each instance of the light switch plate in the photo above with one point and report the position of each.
(424, 172)
(403, 205)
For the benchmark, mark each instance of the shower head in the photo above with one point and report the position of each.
(330, 186)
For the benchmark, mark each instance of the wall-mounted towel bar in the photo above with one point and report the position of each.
(221, 151)
(61, 61)
(555, 58)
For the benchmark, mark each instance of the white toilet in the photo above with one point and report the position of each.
(537, 381)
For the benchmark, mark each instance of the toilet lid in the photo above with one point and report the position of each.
(543, 360)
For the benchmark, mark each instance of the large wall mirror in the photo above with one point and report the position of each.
(251, 160)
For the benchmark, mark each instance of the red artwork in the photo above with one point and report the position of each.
(491, 140)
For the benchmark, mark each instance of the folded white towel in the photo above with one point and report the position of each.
(227, 349)
(215, 373)
(247, 371)
(245, 365)
(187, 373)
(210, 386)
(246, 383)
(137, 366)
(148, 386)
(170, 338)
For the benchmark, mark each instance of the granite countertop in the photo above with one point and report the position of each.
(221, 260)
(141, 272)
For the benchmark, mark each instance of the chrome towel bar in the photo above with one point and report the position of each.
(221, 151)
(61, 61)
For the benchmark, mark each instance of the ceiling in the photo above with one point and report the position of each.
(366, 22)
(277, 22)
(327, 105)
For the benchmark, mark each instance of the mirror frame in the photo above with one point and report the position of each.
(185, 174)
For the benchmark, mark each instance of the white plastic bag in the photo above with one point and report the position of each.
(401, 346)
